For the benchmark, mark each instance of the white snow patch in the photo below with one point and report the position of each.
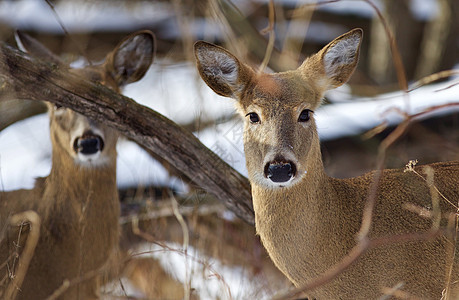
(209, 277)
(83, 16)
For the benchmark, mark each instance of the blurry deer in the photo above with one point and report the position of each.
(308, 221)
(78, 202)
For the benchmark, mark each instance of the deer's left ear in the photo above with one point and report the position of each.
(336, 62)
(28, 44)
(130, 60)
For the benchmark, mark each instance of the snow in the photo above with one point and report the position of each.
(359, 115)
(83, 16)
(209, 277)
(176, 91)
(25, 153)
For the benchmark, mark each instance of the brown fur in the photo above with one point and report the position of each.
(310, 223)
(78, 204)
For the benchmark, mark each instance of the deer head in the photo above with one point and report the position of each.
(87, 142)
(280, 134)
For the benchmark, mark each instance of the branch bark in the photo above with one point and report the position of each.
(24, 77)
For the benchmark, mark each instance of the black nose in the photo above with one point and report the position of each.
(88, 144)
(280, 171)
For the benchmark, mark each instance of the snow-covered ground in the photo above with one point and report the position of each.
(207, 276)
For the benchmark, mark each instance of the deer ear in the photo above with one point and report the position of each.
(337, 61)
(221, 70)
(130, 60)
(28, 44)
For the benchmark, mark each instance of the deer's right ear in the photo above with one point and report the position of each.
(132, 58)
(221, 70)
(334, 64)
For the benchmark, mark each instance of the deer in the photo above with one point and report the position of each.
(308, 221)
(77, 203)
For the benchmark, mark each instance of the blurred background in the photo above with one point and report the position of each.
(352, 122)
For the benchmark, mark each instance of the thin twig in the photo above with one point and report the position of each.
(272, 37)
(66, 284)
(166, 211)
(432, 78)
(397, 293)
(186, 242)
(61, 23)
(453, 227)
(410, 168)
(396, 56)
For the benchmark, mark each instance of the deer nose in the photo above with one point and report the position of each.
(88, 144)
(280, 171)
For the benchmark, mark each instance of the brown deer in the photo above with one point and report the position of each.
(308, 221)
(77, 203)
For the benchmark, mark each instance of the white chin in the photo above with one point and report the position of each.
(90, 160)
(268, 183)
(273, 184)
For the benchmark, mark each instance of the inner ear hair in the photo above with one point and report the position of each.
(221, 70)
(340, 57)
(131, 59)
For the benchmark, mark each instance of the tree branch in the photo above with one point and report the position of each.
(23, 77)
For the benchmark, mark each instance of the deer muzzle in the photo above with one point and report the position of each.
(88, 144)
(280, 171)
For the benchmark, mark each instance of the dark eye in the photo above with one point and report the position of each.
(304, 116)
(253, 117)
(57, 106)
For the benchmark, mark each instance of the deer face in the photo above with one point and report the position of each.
(278, 109)
(279, 128)
(89, 143)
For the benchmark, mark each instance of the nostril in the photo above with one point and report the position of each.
(280, 171)
(88, 144)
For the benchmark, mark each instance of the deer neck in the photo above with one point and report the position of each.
(72, 184)
(287, 219)
(313, 190)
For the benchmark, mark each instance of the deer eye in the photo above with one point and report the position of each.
(304, 115)
(253, 117)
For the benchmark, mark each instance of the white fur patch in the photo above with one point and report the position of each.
(341, 54)
(96, 160)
